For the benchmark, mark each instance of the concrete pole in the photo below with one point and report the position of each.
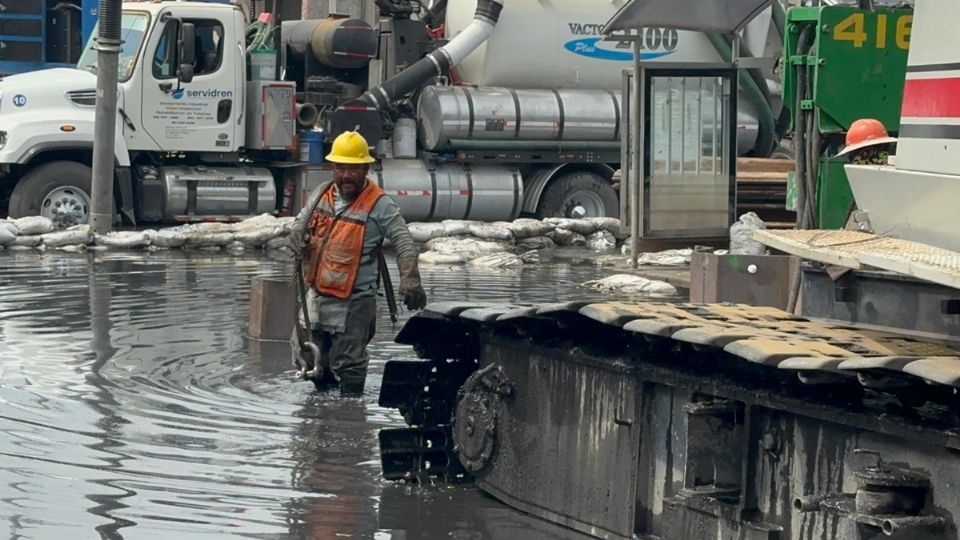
(105, 123)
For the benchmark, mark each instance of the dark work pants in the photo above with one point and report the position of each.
(346, 354)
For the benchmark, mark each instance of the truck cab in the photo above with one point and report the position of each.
(181, 105)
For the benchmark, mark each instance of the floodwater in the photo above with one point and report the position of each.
(133, 405)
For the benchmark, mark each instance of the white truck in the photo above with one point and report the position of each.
(480, 109)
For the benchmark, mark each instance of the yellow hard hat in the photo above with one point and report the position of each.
(350, 147)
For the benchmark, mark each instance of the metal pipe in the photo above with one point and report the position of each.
(639, 160)
(895, 525)
(808, 503)
(307, 114)
(105, 122)
(440, 60)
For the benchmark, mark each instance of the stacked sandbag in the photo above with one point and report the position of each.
(36, 232)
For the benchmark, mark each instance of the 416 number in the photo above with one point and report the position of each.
(852, 29)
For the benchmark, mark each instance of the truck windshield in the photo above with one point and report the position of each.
(133, 27)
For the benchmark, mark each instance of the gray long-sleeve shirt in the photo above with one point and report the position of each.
(385, 221)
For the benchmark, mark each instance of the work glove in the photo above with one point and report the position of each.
(297, 239)
(411, 290)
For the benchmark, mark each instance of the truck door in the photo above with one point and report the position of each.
(202, 115)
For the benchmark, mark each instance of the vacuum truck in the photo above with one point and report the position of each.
(478, 109)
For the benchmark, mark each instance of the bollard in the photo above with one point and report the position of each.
(271, 309)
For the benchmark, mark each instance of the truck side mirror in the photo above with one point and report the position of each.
(185, 73)
(187, 51)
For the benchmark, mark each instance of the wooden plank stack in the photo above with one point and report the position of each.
(762, 188)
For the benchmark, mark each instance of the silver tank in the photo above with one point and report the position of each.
(220, 191)
(494, 113)
(451, 190)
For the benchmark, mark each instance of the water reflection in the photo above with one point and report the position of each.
(133, 404)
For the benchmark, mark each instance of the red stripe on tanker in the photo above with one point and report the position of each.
(931, 98)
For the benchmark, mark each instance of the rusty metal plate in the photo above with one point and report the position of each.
(452, 308)
(519, 313)
(814, 363)
(720, 335)
(891, 363)
(771, 352)
(940, 369)
(488, 313)
(615, 313)
(560, 307)
(658, 327)
(743, 312)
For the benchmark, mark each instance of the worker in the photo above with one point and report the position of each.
(868, 143)
(339, 234)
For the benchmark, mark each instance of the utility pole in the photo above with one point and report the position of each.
(105, 123)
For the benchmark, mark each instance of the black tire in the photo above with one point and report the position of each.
(69, 177)
(561, 195)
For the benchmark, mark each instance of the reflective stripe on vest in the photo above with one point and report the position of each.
(336, 242)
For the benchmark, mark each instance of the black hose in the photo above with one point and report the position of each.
(801, 148)
(434, 64)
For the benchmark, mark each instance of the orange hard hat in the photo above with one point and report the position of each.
(866, 132)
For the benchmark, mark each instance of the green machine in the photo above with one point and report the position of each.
(841, 64)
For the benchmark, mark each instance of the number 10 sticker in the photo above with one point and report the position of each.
(19, 100)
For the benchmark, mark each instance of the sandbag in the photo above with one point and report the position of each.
(200, 240)
(167, 238)
(617, 282)
(123, 239)
(432, 257)
(256, 222)
(579, 226)
(279, 242)
(670, 257)
(424, 232)
(468, 247)
(529, 228)
(27, 241)
(492, 231)
(530, 257)
(286, 223)
(236, 247)
(566, 237)
(7, 236)
(741, 235)
(497, 260)
(601, 241)
(537, 242)
(33, 225)
(609, 224)
(658, 288)
(74, 235)
(257, 237)
(457, 227)
(630, 284)
(209, 227)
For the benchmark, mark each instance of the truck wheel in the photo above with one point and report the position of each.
(578, 195)
(59, 190)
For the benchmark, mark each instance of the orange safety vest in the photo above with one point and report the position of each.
(336, 242)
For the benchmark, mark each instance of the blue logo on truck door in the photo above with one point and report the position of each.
(654, 43)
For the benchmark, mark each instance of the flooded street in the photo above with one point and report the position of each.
(133, 405)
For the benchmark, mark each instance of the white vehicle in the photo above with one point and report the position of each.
(524, 122)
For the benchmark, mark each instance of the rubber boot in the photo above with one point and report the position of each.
(351, 387)
(326, 382)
